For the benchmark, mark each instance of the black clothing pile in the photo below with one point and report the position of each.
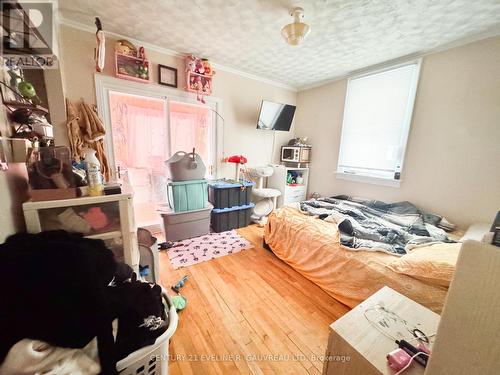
(66, 290)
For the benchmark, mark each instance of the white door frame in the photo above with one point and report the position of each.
(104, 84)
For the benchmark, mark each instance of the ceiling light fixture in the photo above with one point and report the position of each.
(294, 33)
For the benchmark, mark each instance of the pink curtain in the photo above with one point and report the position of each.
(190, 126)
(139, 132)
(146, 138)
(139, 126)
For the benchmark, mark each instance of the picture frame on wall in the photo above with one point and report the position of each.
(167, 76)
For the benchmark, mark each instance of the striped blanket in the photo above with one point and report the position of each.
(393, 228)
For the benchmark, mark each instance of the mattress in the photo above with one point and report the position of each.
(312, 247)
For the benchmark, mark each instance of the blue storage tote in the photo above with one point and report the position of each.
(223, 219)
(228, 193)
(187, 195)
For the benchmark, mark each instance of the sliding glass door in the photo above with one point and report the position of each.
(145, 131)
(140, 147)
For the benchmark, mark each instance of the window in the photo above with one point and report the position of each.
(377, 117)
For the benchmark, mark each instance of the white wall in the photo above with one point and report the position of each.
(453, 155)
(240, 96)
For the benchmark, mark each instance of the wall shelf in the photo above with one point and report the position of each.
(195, 80)
(128, 67)
(33, 107)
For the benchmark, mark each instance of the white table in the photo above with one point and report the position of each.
(354, 337)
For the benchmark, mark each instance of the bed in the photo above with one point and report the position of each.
(312, 247)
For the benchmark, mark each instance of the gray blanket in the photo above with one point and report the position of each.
(393, 228)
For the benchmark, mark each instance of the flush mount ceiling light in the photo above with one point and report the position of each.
(294, 33)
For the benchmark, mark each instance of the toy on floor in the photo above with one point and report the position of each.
(180, 284)
(165, 245)
(179, 301)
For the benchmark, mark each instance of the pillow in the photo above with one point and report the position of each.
(433, 263)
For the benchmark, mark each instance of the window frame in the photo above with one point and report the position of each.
(351, 175)
(104, 84)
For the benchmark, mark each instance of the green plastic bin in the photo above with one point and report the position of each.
(187, 195)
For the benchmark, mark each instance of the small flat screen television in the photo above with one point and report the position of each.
(275, 116)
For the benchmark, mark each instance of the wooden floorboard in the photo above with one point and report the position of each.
(249, 313)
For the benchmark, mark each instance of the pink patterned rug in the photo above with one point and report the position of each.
(200, 249)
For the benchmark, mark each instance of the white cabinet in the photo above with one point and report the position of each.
(290, 193)
(107, 217)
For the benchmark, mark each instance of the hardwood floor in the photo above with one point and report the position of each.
(249, 313)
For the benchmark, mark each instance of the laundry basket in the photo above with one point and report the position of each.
(152, 359)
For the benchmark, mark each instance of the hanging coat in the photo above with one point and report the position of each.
(73, 128)
(86, 129)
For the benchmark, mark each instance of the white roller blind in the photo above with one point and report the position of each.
(376, 123)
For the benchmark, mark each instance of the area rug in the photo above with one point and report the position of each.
(200, 249)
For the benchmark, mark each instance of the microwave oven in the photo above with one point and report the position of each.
(296, 154)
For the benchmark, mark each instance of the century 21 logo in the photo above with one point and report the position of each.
(29, 26)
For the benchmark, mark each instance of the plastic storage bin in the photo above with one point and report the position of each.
(231, 218)
(224, 194)
(152, 359)
(182, 225)
(185, 166)
(187, 195)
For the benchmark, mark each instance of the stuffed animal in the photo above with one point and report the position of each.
(199, 67)
(206, 86)
(207, 67)
(125, 48)
(190, 63)
(197, 84)
(142, 70)
(142, 53)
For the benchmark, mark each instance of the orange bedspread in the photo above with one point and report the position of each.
(311, 246)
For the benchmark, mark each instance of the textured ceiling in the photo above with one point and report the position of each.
(346, 35)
